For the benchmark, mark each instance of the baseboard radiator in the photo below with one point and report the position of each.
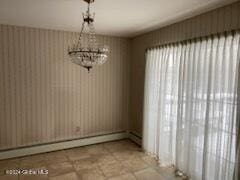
(37, 149)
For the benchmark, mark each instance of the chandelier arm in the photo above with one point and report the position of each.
(81, 34)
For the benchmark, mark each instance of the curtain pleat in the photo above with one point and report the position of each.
(190, 106)
(237, 163)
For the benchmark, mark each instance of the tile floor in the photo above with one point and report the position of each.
(118, 160)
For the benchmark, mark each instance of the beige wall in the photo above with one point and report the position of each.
(219, 20)
(45, 98)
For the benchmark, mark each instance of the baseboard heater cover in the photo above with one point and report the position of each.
(62, 145)
(135, 138)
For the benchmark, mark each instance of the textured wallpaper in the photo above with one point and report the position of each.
(219, 20)
(46, 98)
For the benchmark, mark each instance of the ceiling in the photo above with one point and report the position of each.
(126, 18)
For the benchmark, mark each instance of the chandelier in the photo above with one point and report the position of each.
(87, 52)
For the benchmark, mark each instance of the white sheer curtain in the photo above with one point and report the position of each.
(190, 106)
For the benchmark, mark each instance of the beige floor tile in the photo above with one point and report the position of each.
(125, 155)
(97, 149)
(56, 157)
(148, 174)
(114, 160)
(69, 176)
(8, 165)
(114, 146)
(59, 168)
(84, 164)
(34, 161)
(128, 144)
(114, 169)
(127, 176)
(38, 176)
(140, 153)
(9, 177)
(91, 174)
(33, 177)
(77, 153)
(150, 161)
(167, 172)
(135, 164)
(105, 159)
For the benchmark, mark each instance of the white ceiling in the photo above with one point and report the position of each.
(125, 18)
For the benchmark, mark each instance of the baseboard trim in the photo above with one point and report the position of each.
(135, 138)
(62, 145)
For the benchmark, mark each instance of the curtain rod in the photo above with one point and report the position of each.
(212, 35)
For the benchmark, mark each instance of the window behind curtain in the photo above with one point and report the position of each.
(190, 106)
